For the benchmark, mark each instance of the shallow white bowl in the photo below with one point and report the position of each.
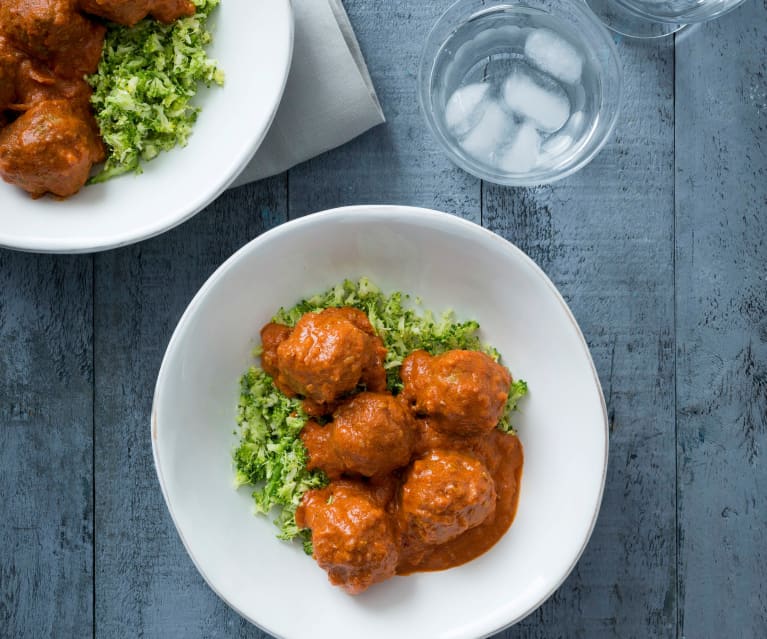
(450, 263)
(253, 42)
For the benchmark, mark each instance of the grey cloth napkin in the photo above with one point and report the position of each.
(329, 97)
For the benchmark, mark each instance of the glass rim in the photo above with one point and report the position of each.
(693, 15)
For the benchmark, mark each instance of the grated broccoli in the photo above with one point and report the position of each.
(517, 392)
(144, 84)
(271, 456)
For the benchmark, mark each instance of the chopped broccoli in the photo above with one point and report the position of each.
(272, 457)
(517, 392)
(144, 84)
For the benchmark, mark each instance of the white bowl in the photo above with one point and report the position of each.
(253, 42)
(450, 263)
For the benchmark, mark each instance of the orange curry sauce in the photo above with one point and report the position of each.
(419, 481)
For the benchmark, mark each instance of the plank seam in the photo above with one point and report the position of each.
(676, 395)
(93, 441)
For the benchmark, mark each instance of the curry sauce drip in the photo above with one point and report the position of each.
(419, 481)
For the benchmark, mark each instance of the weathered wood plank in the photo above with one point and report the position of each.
(399, 162)
(46, 454)
(146, 585)
(605, 237)
(721, 297)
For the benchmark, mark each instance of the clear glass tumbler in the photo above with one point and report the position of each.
(657, 18)
(520, 92)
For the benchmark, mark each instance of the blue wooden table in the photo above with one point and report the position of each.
(659, 246)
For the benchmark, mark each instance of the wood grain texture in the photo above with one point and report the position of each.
(721, 258)
(146, 585)
(605, 237)
(399, 162)
(46, 422)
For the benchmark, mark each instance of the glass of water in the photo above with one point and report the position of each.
(520, 93)
(657, 18)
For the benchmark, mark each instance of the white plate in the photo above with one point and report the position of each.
(253, 42)
(451, 263)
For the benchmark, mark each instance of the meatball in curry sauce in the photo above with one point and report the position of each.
(325, 357)
(129, 12)
(461, 392)
(354, 537)
(50, 148)
(419, 481)
(49, 138)
(55, 33)
(371, 434)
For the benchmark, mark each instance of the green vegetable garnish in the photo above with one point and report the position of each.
(271, 456)
(142, 90)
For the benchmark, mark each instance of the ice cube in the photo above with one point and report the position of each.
(556, 144)
(574, 125)
(554, 55)
(465, 108)
(561, 142)
(492, 130)
(522, 154)
(548, 108)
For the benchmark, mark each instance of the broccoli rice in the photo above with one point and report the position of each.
(144, 85)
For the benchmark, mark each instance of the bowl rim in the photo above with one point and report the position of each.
(367, 212)
(426, 68)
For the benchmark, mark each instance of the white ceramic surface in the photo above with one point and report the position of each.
(450, 263)
(253, 42)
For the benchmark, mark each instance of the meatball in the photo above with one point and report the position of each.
(272, 335)
(170, 10)
(322, 453)
(372, 434)
(352, 534)
(54, 32)
(328, 354)
(445, 494)
(129, 12)
(50, 148)
(429, 438)
(461, 392)
(9, 64)
(24, 82)
(35, 83)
